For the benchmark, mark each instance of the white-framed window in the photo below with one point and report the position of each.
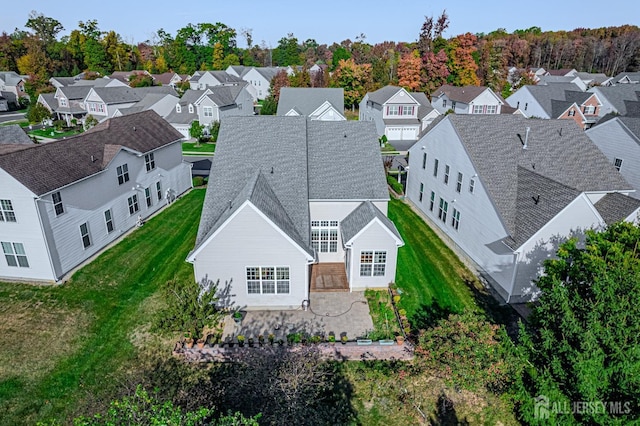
(444, 103)
(421, 190)
(6, 211)
(442, 210)
(393, 110)
(432, 200)
(453, 105)
(159, 190)
(472, 184)
(147, 196)
(133, 204)
(407, 110)
(84, 232)
(149, 162)
(478, 109)
(446, 174)
(455, 219)
(178, 108)
(268, 280)
(589, 109)
(618, 163)
(108, 221)
(63, 102)
(100, 107)
(435, 167)
(207, 111)
(190, 108)
(459, 182)
(424, 160)
(373, 263)
(526, 104)
(492, 109)
(92, 107)
(15, 254)
(324, 236)
(123, 174)
(57, 203)
(571, 112)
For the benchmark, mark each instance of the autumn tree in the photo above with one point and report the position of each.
(409, 71)
(462, 65)
(435, 71)
(300, 78)
(319, 78)
(354, 79)
(280, 80)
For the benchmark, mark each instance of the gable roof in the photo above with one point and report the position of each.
(465, 94)
(185, 117)
(615, 207)
(617, 95)
(546, 94)
(224, 95)
(425, 106)
(557, 150)
(358, 219)
(632, 76)
(10, 78)
(45, 167)
(120, 95)
(74, 92)
(306, 100)
(13, 138)
(383, 94)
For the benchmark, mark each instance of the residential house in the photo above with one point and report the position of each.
(505, 190)
(13, 138)
(562, 72)
(316, 103)
(595, 79)
(616, 99)
(12, 87)
(289, 199)
(162, 103)
(63, 202)
(627, 78)
(549, 79)
(260, 79)
(102, 102)
(210, 105)
(619, 140)
(169, 79)
(466, 100)
(125, 76)
(48, 100)
(4, 103)
(398, 114)
(202, 79)
(69, 102)
(559, 101)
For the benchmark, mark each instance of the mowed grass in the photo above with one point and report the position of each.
(60, 345)
(204, 148)
(429, 275)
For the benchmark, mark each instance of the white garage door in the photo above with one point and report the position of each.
(394, 133)
(408, 133)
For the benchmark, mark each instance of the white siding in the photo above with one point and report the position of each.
(484, 98)
(246, 240)
(371, 112)
(374, 238)
(206, 102)
(523, 100)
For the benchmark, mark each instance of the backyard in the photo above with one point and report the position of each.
(192, 148)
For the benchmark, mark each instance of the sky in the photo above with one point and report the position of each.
(137, 21)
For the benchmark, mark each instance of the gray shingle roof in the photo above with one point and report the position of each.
(14, 135)
(556, 149)
(49, 99)
(616, 95)
(120, 95)
(46, 167)
(185, 117)
(425, 106)
(75, 92)
(383, 94)
(463, 94)
(306, 99)
(11, 78)
(558, 107)
(361, 217)
(615, 207)
(546, 94)
(633, 124)
(224, 95)
(633, 76)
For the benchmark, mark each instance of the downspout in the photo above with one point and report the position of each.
(44, 238)
(513, 277)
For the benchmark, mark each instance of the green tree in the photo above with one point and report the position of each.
(37, 112)
(583, 343)
(288, 52)
(339, 54)
(89, 122)
(140, 79)
(354, 79)
(269, 106)
(196, 130)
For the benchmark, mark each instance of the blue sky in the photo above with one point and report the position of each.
(137, 20)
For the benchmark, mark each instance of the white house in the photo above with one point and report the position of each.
(505, 190)
(62, 202)
(288, 200)
(316, 103)
(260, 79)
(103, 102)
(397, 114)
(466, 100)
(202, 79)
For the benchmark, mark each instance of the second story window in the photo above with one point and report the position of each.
(6, 211)
(478, 109)
(492, 109)
(407, 110)
(63, 102)
(435, 167)
(444, 103)
(178, 108)
(459, 182)
(446, 174)
(57, 203)
(123, 174)
(472, 184)
(618, 163)
(589, 109)
(149, 162)
(424, 160)
(207, 111)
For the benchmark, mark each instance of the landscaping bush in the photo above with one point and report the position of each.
(198, 181)
(395, 185)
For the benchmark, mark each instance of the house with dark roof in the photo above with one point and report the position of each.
(466, 100)
(289, 199)
(616, 99)
(619, 140)
(202, 79)
(63, 202)
(397, 114)
(505, 190)
(162, 103)
(13, 138)
(563, 101)
(169, 78)
(102, 102)
(12, 87)
(317, 103)
(627, 78)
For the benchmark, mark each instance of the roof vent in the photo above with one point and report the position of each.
(93, 159)
(345, 135)
(272, 170)
(536, 199)
(230, 205)
(560, 131)
(134, 128)
(526, 138)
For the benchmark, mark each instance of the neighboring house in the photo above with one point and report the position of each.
(397, 114)
(595, 79)
(326, 104)
(260, 79)
(63, 202)
(4, 103)
(163, 104)
(562, 72)
(210, 105)
(70, 103)
(288, 198)
(619, 140)
(202, 79)
(13, 138)
(236, 70)
(627, 78)
(615, 99)
(102, 102)
(11, 82)
(125, 76)
(169, 78)
(48, 100)
(505, 190)
(557, 100)
(466, 100)
(550, 79)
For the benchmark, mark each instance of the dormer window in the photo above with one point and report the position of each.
(178, 108)
(190, 109)
(63, 102)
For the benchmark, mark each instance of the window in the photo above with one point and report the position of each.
(589, 109)
(92, 107)
(133, 204)
(459, 182)
(208, 111)
(6, 211)
(478, 109)
(444, 103)
(424, 161)
(147, 196)
(190, 109)
(618, 163)
(108, 220)
(149, 162)
(571, 113)
(123, 174)
(407, 110)
(446, 174)
(63, 102)
(518, 105)
(472, 184)
(492, 109)
(373, 263)
(15, 255)
(455, 219)
(393, 110)
(432, 200)
(159, 190)
(84, 232)
(453, 105)
(268, 280)
(420, 194)
(178, 108)
(442, 212)
(324, 236)
(526, 104)
(435, 167)
(57, 203)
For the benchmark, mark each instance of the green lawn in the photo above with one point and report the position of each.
(65, 345)
(204, 148)
(53, 134)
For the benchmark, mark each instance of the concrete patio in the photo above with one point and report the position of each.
(329, 312)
